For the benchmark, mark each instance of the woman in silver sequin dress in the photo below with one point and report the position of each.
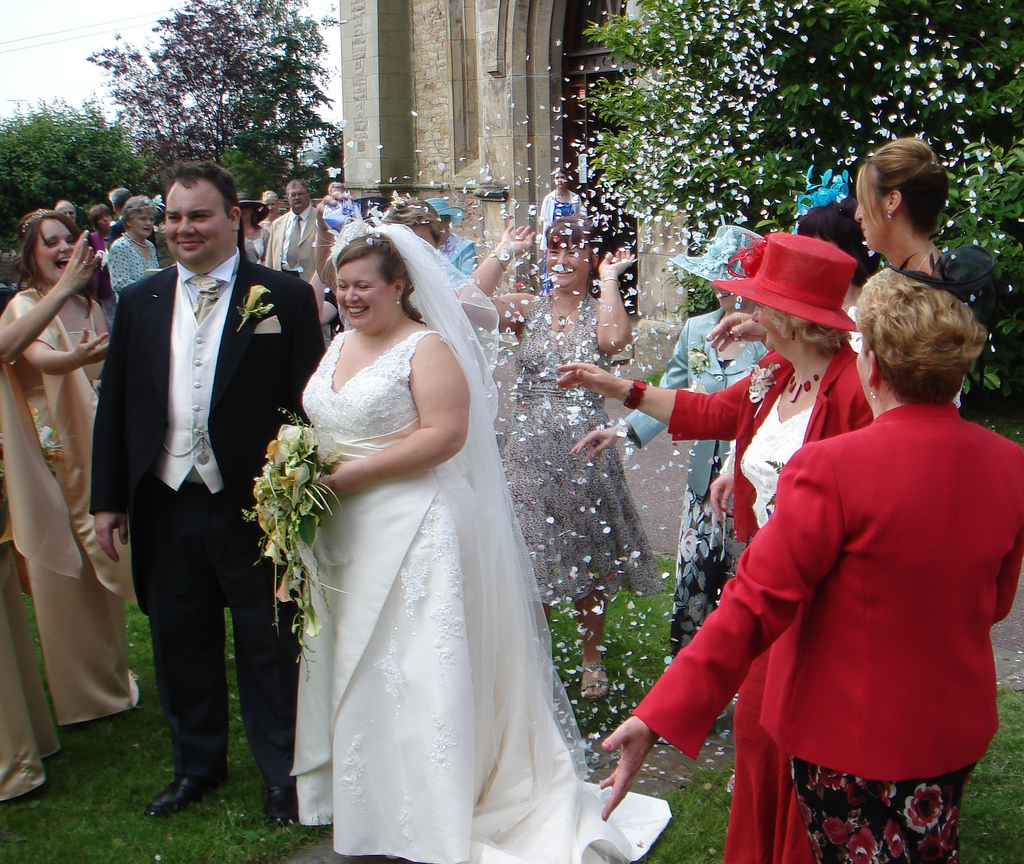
(581, 525)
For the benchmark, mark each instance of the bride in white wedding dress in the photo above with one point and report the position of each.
(427, 727)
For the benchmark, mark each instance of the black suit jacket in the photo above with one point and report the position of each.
(256, 376)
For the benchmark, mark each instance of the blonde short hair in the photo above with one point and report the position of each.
(827, 340)
(924, 338)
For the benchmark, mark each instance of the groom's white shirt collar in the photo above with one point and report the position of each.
(224, 271)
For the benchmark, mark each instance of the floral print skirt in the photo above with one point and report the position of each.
(703, 565)
(851, 819)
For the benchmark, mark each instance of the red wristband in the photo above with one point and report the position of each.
(636, 393)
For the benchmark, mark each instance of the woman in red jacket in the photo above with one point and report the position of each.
(880, 577)
(805, 389)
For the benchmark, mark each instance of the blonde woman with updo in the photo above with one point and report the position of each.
(902, 190)
(877, 556)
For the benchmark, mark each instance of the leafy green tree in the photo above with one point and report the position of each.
(57, 151)
(283, 109)
(224, 74)
(725, 106)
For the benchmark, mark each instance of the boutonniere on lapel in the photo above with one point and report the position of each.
(253, 307)
(697, 359)
(762, 379)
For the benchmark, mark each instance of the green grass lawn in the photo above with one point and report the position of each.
(90, 810)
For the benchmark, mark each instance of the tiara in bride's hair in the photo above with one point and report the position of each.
(353, 231)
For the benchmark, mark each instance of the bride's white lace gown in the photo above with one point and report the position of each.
(425, 722)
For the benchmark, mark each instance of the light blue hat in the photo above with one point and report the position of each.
(713, 264)
(443, 208)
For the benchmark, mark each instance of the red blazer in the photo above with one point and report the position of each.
(840, 406)
(892, 551)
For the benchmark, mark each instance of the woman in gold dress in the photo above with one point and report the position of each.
(52, 353)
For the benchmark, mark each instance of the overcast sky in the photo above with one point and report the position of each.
(43, 49)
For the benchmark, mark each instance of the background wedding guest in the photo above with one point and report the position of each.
(881, 745)
(338, 207)
(52, 364)
(560, 203)
(290, 246)
(705, 557)
(67, 208)
(581, 525)
(426, 224)
(118, 198)
(902, 190)
(176, 451)
(459, 250)
(254, 235)
(272, 202)
(100, 220)
(805, 389)
(132, 254)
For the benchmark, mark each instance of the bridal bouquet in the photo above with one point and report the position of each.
(290, 501)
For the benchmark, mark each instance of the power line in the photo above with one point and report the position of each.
(83, 27)
(73, 38)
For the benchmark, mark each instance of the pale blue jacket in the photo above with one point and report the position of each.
(679, 376)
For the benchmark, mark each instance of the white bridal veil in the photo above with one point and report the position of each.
(532, 805)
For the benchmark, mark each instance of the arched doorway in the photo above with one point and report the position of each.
(584, 62)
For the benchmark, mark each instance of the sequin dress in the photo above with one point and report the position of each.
(578, 516)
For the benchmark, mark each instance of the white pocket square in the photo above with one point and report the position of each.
(268, 325)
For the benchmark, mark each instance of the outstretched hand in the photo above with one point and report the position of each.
(634, 740)
(614, 264)
(735, 327)
(595, 443)
(593, 378)
(92, 349)
(516, 239)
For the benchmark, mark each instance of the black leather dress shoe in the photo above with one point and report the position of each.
(182, 792)
(282, 807)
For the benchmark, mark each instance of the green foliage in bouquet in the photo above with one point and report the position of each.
(291, 499)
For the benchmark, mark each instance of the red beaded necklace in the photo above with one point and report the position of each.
(796, 389)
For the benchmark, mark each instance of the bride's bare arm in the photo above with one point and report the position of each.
(442, 399)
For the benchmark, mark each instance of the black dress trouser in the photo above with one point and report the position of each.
(198, 556)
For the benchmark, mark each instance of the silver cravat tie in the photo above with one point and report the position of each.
(208, 287)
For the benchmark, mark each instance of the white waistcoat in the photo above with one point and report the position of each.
(193, 364)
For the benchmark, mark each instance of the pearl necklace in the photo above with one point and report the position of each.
(142, 245)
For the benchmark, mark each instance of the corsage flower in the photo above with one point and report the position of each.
(697, 359)
(253, 308)
(762, 378)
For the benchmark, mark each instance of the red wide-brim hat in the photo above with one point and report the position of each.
(800, 275)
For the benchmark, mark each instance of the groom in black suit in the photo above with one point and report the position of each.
(191, 396)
